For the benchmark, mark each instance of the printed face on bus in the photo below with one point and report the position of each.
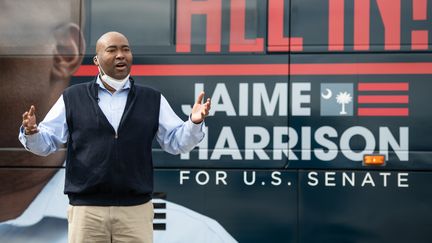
(39, 51)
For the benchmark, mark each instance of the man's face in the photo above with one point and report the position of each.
(28, 56)
(27, 49)
(114, 55)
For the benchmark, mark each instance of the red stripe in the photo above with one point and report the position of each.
(271, 69)
(381, 99)
(86, 70)
(383, 111)
(383, 86)
(361, 68)
(197, 70)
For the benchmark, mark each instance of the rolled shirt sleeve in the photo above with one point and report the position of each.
(175, 135)
(53, 132)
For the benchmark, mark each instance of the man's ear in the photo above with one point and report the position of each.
(69, 51)
(95, 61)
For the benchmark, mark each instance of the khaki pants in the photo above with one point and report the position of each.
(131, 224)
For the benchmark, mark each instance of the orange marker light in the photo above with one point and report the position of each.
(374, 159)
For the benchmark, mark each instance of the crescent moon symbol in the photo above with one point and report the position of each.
(328, 95)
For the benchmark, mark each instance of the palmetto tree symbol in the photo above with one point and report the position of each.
(343, 98)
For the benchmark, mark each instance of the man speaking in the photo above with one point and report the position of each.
(108, 125)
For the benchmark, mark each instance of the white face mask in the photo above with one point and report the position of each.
(116, 84)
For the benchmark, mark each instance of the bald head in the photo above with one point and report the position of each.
(108, 38)
(114, 56)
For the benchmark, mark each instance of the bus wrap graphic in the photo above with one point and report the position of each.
(374, 99)
(337, 99)
(383, 99)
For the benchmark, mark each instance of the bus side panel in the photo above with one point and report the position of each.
(363, 206)
(252, 205)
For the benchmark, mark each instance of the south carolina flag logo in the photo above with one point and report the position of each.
(373, 99)
(337, 99)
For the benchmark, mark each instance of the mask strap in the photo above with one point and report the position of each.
(101, 71)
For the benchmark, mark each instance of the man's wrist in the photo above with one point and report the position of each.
(28, 132)
(197, 123)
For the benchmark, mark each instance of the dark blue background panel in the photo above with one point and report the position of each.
(361, 206)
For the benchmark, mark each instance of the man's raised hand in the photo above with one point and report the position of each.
(29, 121)
(200, 111)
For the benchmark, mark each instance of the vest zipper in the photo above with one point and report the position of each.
(115, 165)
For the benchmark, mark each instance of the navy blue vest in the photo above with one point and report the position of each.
(105, 168)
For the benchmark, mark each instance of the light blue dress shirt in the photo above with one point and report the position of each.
(174, 135)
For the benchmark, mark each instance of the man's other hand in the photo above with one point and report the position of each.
(29, 121)
(200, 111)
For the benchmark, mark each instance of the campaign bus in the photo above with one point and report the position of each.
(319, 129)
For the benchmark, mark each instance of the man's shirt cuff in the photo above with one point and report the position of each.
(195, 128)
(29, 141)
